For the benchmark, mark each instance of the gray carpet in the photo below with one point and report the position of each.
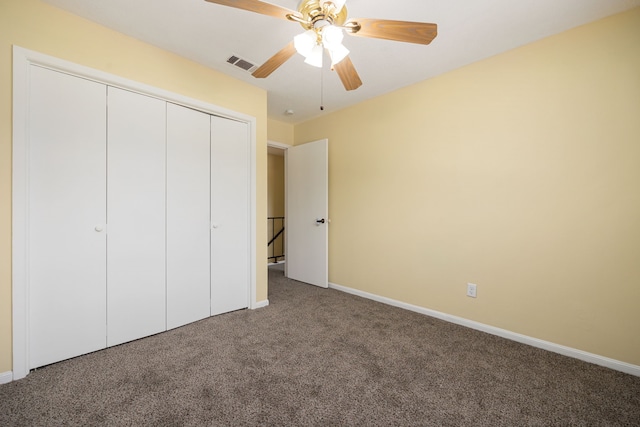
(322, 357)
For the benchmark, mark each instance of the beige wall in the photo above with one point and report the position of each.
(40, 27)
(275, 185)
(520, 173)
(279, 132)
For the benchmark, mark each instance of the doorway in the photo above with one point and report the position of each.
(276, 250)
(305, 201)
(276, 193)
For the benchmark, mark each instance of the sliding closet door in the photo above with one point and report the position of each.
(229, 215)
(188, 216)
(136, 294)
(67, 189)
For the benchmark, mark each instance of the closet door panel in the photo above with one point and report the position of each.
(188, 216)
(229, 215)
(67, 192)
(136, 288)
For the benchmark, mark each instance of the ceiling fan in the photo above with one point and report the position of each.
(324, 22)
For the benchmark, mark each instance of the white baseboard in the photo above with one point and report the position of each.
(524, 339)
(6, 377)
(260, 304)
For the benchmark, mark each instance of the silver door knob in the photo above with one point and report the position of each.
(98, 228)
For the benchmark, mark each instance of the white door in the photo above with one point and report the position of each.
(188, 216)
(307, 210)
(67, 215)
(136, 297)
(229, 215)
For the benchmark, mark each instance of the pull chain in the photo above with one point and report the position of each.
(322, 89)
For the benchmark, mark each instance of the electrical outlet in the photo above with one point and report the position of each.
(472, 290)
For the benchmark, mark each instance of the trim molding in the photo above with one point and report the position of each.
(260, 304)
(514, 336)
(280, 145)
(6, 377)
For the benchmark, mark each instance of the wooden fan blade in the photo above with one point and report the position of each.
(348, 74)
(275, 61)
(402, 31)
(257, 7)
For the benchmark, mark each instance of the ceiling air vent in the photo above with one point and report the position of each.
(242, 63)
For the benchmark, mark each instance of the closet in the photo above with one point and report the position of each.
(136, 175)
(188, 215)
(138, 215)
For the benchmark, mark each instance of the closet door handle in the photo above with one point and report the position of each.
(99, 228)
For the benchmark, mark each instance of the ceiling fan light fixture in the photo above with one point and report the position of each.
(337, 54)
(332, 36)
(305, 42)
(315, 57)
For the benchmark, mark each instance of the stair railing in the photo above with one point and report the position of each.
(275, 247)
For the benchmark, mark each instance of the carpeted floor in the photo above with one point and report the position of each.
(322, 357)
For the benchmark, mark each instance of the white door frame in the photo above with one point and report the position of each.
(22, 60)
(279, 145)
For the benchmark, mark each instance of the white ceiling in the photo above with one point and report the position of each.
(468, 31)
